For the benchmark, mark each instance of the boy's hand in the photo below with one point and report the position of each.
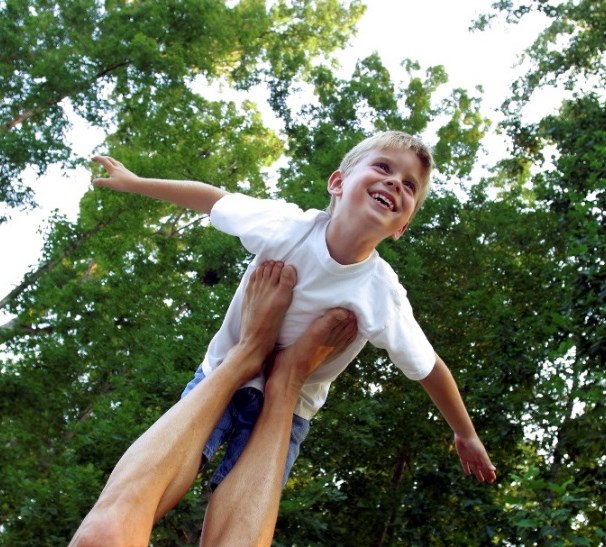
(474, 458)
(120, 178)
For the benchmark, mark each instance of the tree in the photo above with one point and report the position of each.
(559, 163)
(502, 273)
(107, 61)
(105, 339)
(534, 364)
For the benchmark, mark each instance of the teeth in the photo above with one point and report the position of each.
(383, 199)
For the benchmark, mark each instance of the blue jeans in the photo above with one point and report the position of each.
(235, 428)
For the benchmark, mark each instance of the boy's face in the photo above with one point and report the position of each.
(381, 190)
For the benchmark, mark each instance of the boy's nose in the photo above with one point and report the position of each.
(394, 183)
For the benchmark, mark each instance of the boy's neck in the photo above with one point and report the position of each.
(347, 246)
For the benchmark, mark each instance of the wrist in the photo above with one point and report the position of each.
(463, 435)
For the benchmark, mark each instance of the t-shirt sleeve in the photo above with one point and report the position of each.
(405, 342)
(255, 221)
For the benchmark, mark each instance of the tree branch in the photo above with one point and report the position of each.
(28, 113)
(30, 278)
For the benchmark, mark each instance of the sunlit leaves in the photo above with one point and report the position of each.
(103, 58)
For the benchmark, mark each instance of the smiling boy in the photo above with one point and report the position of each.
(379, 186)
(382, 191)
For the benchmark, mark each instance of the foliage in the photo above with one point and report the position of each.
(556, 493)
(347, 110)
(570, 48)
(106, 61)
(125, 299)
(505, 274)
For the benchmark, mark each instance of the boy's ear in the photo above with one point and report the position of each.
(400, 232)
(335, 183)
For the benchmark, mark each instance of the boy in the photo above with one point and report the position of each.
(378, 188)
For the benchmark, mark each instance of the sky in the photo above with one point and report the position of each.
(431, 32)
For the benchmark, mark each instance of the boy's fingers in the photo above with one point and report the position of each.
(481, 473)
(106, 161)
(100, 159)
(491, 476)
(475, 470)
(486, 474)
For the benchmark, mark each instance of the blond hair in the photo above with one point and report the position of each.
(392, 140)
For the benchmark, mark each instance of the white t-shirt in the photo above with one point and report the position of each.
(276, 230)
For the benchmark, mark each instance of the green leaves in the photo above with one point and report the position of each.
(505, 274)
(347, 110)
(106, 59)
(561, 503)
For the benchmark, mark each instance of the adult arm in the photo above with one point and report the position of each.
(442, 388)
(198, 196)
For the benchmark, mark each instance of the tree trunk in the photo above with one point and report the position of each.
(384, 534)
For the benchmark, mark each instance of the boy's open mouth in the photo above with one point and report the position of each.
(383, 200)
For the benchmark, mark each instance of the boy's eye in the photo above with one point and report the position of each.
(411, 185)
(385, 167)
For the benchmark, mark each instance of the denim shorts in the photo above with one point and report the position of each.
(235, 427)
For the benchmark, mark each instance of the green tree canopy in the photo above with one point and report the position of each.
(504, 272)
(559, 163)
(107, 61)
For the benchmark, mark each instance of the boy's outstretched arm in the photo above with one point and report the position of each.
(198, 196)
(443, 390)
